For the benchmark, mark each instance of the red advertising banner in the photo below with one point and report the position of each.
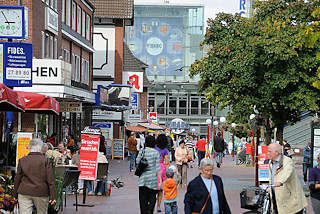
(88, 157)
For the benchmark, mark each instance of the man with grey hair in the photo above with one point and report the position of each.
(33, 183)
(205, 193)
(286, 192)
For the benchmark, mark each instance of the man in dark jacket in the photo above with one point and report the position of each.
(205, 193)
(218, 148)
(34, 184)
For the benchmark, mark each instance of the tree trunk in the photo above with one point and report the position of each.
(268, 134)
(280, 133)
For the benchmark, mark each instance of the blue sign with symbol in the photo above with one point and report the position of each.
(134, 100)
(16, 64)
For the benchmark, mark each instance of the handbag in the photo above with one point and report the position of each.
(142, 165)
(205, 204)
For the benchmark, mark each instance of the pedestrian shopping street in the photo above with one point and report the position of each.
(126, 200)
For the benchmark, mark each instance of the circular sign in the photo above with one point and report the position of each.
(178, 126)
(154, 46)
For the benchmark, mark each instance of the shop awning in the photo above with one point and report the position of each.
(136, 129)
(39, 103)
(151, 126)
(10, 100)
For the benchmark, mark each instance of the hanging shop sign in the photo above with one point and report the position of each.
(178, 126)
(23, 140)
(16, 64)
(98, 114)
(135, 79)
(88, 157)
(74, 107)
(134, 100)
(153, 116)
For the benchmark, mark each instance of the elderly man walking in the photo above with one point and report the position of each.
(34, 184)
(287, 195)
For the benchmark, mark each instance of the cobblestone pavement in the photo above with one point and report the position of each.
(125, 200)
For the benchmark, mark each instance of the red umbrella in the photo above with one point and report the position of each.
(39, 103)
(9, 100)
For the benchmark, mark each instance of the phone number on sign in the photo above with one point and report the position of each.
(18, 73)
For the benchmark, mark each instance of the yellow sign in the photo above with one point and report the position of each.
(23, 140)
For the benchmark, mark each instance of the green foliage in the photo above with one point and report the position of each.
(260, 61)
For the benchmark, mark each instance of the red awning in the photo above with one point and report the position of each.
(39, 103)
(136, 129)
(151, 126)
(9, 100)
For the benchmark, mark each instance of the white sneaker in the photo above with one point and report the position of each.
(99, 194)
(90, 193)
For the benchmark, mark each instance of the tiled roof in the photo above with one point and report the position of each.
(118, 9)
(133, 64)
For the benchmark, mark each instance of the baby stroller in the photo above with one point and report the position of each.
(241, 156)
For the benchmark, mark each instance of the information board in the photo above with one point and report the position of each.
(88, 157)
(118, 148)
(16, 64)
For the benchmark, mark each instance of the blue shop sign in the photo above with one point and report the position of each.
(16, 64)
(102, 125)
(134, 100)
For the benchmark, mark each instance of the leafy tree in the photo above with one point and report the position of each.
(260, 62)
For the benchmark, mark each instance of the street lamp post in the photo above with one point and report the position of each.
(233, 126)
(215, 124)
(193, 130)
(208, 121)
(252, 116)
(222, 120)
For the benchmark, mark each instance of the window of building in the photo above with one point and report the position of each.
(55, 47)
(204, 106)
(194, 105)
(74, 15)
(56, 5)
(151, 104)
(85, 72)
(83, 27)
(47, 46)
(65, 55)
(43, 43)
(78, 71)
(172, 105)
(88, 28)
(73, 67)
(79, 19)
(51, 48)
(183, 105)
(63, 12)
(161, 105)
(52, 3)
(68, 8)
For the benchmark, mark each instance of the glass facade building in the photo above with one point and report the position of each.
(167, 38)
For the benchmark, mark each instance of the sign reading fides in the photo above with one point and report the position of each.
(88, 157)
(91, 130)
(135, 79)
(16, 64)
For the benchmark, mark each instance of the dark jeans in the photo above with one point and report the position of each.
(201, 155)
(170, 208)
(132, 159)
(147, 200)
(173, 158)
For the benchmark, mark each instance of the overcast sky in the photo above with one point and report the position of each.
(212, 7)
